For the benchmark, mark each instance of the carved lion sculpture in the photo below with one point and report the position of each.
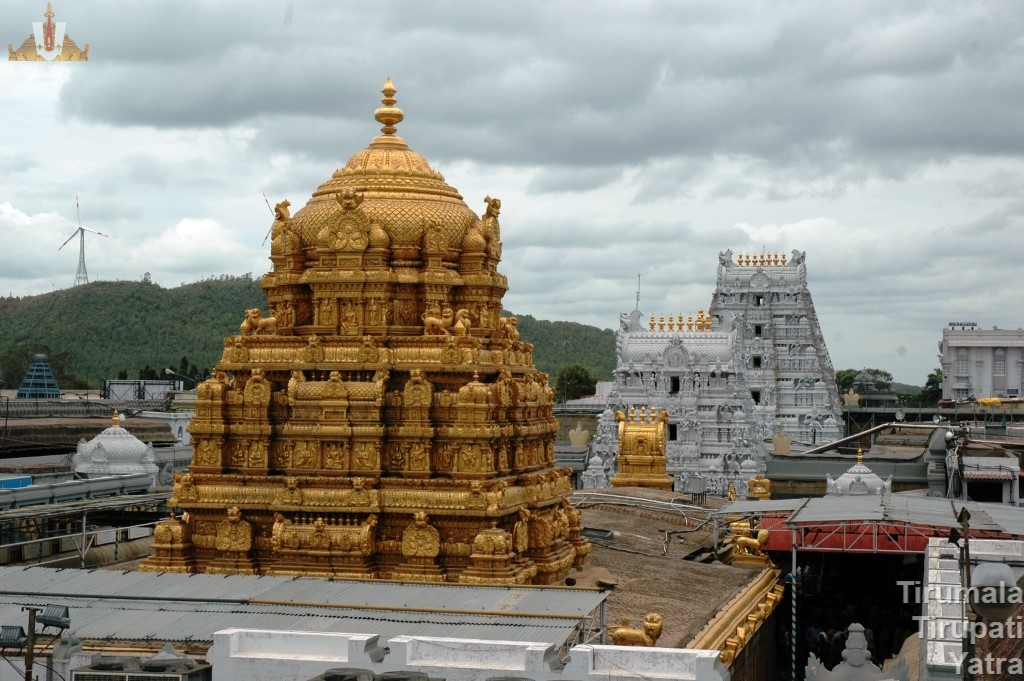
(752, 546)
(462, 323)
(437, 326)
(507, 328)
(630, 636)
(255, 323)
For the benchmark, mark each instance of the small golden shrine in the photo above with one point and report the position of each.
(759, 487)
(383, 421)
(642, 440)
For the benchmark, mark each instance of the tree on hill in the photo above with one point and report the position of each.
(845, 377)
(573, 382)
(125, 325)
(932, 391)
(556, 344)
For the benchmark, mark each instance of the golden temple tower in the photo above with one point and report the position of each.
(384, 421)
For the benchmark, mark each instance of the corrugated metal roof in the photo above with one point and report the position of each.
(839, 508)
(897, 508)
(107, 604)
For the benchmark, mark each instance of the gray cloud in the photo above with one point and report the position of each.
(882, 138)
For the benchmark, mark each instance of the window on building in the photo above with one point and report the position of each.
(673, 385)
(999, 363)
(758, 300)
(959, 393)
(673, 432)
(756, 361)
(961, 367)
(756, 396)
(757, 330)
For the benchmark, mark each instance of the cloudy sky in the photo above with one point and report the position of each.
(885, 139)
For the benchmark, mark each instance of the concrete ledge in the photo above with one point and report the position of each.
(261, 655)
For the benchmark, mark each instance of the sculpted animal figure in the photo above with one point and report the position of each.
(255, 323)
(437, 326)
(752, 546)
(507, 328)
(647, 636)
(462, 323)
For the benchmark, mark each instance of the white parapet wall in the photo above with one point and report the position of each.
(258, 655)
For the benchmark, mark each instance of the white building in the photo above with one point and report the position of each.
(753, 367)
(981, 362)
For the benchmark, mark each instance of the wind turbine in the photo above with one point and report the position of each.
(82, 276)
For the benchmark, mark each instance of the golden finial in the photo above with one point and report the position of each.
(661, 322)
(116, 419)
(671, 323)
(860, 456)
(389, 115)
(689, 323)
(650, 326)
(49, 10)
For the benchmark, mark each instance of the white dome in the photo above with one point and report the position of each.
(115, 451)
(858, 480)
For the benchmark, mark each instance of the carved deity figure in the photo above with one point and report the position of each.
(234, 534)
(421, 540)
(290, 495)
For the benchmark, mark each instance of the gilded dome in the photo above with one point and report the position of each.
(400, 192)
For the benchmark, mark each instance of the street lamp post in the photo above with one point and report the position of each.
(171, 372)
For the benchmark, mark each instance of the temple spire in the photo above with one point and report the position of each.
(389, 115)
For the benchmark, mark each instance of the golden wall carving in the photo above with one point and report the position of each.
(381, 416)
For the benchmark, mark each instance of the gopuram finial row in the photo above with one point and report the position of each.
(701, 323)
(761, 259)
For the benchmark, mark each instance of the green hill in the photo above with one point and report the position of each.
(556, 344)
(98, 330)
(106, 327)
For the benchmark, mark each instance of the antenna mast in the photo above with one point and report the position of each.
(638, 290)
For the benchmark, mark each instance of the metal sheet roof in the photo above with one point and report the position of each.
(895, 508)
(135, 606)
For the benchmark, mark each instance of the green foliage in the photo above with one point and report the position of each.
(844, 378)
(556, 344)
(932, 391)
(105, 329)
(573, 382)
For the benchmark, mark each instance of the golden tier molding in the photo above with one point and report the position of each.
(383, 421)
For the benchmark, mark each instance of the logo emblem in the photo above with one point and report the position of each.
(49, 36)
